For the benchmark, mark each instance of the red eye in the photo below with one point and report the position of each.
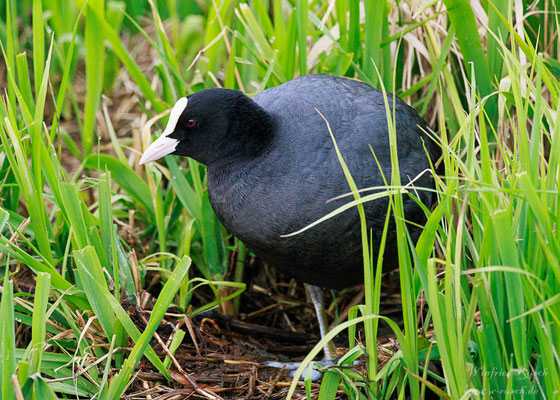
(191, 123)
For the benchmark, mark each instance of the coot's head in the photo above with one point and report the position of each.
(212, 124)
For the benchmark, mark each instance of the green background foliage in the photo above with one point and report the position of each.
(483, 74)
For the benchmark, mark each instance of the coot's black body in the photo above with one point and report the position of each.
(273, 170)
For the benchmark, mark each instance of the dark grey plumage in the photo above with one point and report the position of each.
(272, 168)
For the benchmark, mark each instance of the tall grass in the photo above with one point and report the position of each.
(487, 263)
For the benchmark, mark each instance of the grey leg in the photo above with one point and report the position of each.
(316, 294)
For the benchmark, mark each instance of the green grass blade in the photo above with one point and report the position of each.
(41, 389)
(125, 177)
(37, 143)
(354, 42)
(31, 194)
(375, 18)
(38, 328)
(302, 11)
(462, 17)
(106, 219)
(493, 47)
(117, 386)
(8, 347)
(95, 56)
(87, 259)
(333, 333)
(186, 194)
(126, 323)
(211, 231)
(175, 343)
(12, 44)
(38, 43)
(329, 386)
(73, 210)
(23, 80)
(65, 80)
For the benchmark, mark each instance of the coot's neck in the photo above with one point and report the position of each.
(250, 130)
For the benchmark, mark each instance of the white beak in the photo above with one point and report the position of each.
(165, 145)
(162, 146)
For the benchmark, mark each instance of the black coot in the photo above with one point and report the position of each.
(272, 169)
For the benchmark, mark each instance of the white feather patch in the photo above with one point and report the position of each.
(176, 112)
(165, 145)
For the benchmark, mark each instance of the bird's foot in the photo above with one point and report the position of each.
(291, 368)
